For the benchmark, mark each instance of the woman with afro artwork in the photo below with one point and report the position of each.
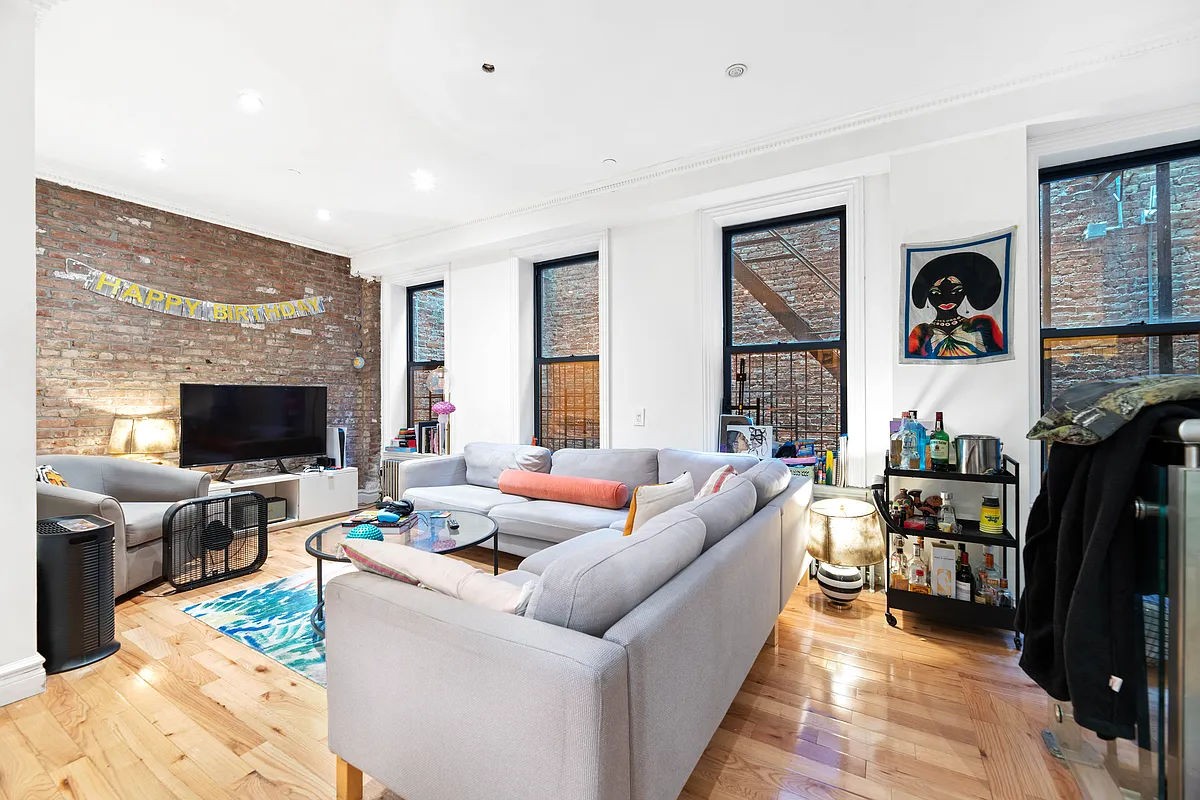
(944, 283)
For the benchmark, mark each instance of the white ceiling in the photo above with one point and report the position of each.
(359, 93)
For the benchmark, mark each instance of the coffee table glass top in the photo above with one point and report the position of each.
(428, 532)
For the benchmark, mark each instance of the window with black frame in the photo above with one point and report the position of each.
(1120, 260)
(426, 349)
(785, 329)
(567, 352)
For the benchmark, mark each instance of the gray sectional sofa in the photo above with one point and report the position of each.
(628, 657)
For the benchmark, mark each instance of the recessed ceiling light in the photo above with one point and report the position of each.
(423, 180)
(250, 102)
(735, 70)
(488, 68)
(154, 159)
(609, 162)
(324, 215)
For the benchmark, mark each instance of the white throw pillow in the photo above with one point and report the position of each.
(440, 573)
(653, 499)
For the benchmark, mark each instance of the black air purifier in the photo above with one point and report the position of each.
(76, 623)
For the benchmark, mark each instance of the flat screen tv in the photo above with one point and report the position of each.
(234, 424)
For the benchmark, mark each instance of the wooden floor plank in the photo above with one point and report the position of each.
(843, 708)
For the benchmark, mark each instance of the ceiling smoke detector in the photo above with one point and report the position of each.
(735, 70)
(488, 68)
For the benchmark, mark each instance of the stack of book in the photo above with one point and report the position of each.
(405, 441)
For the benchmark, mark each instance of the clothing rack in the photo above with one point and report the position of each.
(1169, 507)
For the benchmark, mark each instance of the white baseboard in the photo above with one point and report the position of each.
(21, 679)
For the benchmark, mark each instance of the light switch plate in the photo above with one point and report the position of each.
(639, 418)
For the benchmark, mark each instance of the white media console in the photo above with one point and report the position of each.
(309, 496)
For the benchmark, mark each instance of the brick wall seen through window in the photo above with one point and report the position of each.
(567, 352)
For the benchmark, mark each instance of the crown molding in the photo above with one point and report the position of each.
(1169, 126)
(192, 213)
(1088, 61)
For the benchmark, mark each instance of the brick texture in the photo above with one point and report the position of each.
(98, 358)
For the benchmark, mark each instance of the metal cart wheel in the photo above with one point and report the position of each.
(891, 618)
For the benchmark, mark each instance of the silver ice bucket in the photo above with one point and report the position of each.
(979, 455)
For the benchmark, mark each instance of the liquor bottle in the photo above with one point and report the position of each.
(989, 563)
(987, 593)
(910, 453)
(947, 519)
(897, 443)
(922, 441)
(918, 572)
(1004, 597)
(898, 578)
(964, 579)
(939, 446)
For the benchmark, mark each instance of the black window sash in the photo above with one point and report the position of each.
(416, 367)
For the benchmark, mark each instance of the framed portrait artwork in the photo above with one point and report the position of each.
(956, 305)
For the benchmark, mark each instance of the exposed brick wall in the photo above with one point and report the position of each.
(98, 358)
(1113, 278)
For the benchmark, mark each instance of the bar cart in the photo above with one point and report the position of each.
(948, 609)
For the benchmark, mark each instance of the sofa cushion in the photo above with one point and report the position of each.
(672, 462)
(538, 562)
(633, 467)
(770, 477)
(564, 488)
(551, 521)
(651, 500)
(143, 522)
(591, 589)
(716, 481)
(462, 497)
(486, 460)
(517, 577)
(725, 510)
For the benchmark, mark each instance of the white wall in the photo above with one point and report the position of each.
(20, 666)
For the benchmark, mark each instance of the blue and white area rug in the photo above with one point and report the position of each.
(273, 619)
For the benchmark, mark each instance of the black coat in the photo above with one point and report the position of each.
(1081, 611)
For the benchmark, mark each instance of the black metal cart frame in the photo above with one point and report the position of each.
(948, 609)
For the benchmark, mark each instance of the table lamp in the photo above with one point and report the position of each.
(142, 436)
(843, 535)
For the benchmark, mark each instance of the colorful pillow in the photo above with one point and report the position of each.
(439, 573)
(48, 474)
(716, 481)
(564, 488)
(653, 499)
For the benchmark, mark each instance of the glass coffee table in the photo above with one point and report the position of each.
(428, 532)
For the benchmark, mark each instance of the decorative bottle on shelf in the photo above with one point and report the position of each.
(918, 572)
(910, 442)
(939, 446)
(987, 593)
(1004, 597)
(898, 573)
(989, 563)
(964, 579)
(896, 444)
(947, 519)
(922, 441)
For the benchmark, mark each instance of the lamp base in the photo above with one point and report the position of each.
(840, 584)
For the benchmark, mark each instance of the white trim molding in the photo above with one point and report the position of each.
(711, 221)
(21, 679)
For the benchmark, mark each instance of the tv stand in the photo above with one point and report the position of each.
(308, 496)
(278, 466)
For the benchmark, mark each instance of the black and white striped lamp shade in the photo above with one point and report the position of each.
(840, 584)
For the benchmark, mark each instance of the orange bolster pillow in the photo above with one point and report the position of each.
(564, 488)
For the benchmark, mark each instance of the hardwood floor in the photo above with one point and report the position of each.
(843, 707)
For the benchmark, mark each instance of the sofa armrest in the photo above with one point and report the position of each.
(436, 471)
(414, 675)
(66, 501)
(793, 503)
(139, 482)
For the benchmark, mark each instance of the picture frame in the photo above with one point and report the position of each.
(724, 422)
(427, 437)
(757, 440)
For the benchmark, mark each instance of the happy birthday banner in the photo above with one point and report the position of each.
(136, 294)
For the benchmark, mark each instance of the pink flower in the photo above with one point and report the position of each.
(443, 407)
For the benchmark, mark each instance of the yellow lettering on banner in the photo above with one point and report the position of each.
(271, 311)
(288, 309)
(222, 312)
(241, 313)
(154, 296)
(134, 291)
(192, 305)
(106, 281)
(172, 301)
(314, 304)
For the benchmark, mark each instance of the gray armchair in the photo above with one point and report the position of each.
(133, 495)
